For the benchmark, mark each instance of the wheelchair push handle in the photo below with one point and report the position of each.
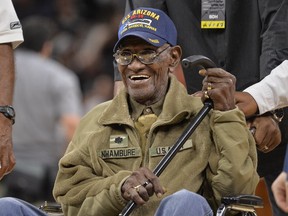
(247, 200)
(202, 62)
(198, 60)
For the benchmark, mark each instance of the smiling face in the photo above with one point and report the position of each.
(146, 83)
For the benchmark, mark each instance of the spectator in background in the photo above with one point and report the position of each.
(86, 35)
(101, 91)
(10, 37)
(48, 102)
(94, 53)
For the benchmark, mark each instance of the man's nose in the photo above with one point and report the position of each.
(135, 61)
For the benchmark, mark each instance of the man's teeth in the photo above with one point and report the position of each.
(138, 77)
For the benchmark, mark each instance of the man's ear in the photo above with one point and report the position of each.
(175, 66)
(176, 53)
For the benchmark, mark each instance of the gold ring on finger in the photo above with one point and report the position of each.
(146, 183)
(266, 147)
(137, 188)
(252, 130)
(209, 87)
(206, 94)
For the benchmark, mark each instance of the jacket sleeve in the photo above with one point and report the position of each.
(233, 160)
(82, 189)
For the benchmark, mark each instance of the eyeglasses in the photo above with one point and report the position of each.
(125, 57)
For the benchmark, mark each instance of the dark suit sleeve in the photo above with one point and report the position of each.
(274, 35)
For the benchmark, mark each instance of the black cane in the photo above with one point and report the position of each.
(189, 62)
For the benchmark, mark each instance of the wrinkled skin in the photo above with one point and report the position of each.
(152, 89)
(222, 86)
(267, 133)
(139, 177)
(266, 130)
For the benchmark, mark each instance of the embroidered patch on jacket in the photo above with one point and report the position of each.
(119, 141)
(159, 151)
(120, 153)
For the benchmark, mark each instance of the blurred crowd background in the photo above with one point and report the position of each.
(83, 41)
(83, 34)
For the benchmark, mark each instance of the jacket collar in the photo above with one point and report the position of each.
(176, 106)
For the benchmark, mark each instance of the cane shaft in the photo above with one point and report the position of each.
(175, 148)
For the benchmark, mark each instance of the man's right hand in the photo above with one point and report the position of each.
(140, 185)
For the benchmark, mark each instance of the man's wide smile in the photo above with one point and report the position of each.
(138, 77)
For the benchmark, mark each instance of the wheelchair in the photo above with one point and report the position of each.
(243, 205)
(52, 209)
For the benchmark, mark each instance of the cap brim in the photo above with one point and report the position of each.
(148, 37)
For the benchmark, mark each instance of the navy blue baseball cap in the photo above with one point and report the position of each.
(152, 25)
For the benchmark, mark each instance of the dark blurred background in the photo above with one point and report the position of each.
(83, 41)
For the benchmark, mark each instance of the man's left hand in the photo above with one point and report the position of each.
(266, 133)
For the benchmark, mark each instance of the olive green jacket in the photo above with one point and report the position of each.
(220, 154)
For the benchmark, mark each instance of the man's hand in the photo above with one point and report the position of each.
(266, 133)
(246, 103)
(219, 86)
(280, 191)
(7, 159)
(142, 184)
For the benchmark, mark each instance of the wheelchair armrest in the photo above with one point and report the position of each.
(242, 203)
(52, 209)
(243, 200)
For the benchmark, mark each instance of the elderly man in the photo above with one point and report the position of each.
(119, 142)
(110, 159)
